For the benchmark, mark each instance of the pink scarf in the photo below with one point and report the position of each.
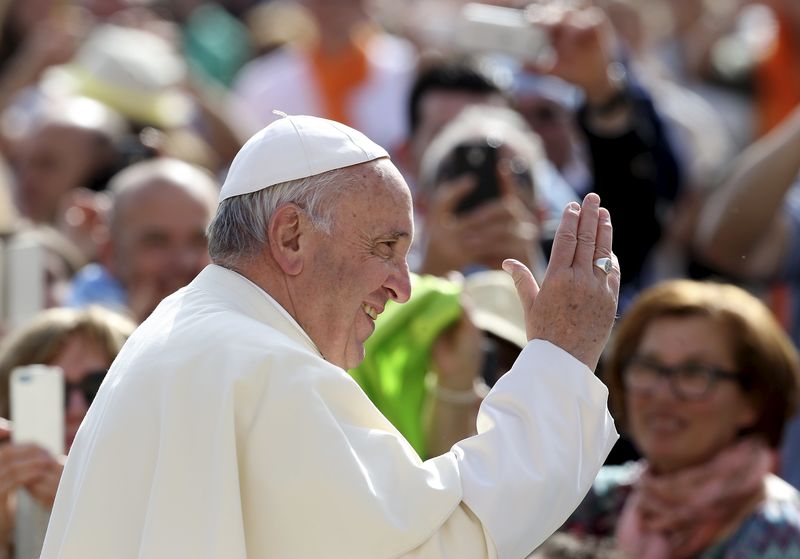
(674, 516)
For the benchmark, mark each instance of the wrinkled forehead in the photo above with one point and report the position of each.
(376, 192)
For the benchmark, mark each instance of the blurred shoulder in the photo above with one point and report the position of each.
(773, 531)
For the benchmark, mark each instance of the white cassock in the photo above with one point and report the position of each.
(220, 432)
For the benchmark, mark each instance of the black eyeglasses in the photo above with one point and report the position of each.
(690, 381)
(88, 386)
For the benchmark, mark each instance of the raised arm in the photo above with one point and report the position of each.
(544, 429)
(741, 229)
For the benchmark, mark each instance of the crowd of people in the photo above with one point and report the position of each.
(120, 121)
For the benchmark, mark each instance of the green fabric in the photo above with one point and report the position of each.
(398, 354)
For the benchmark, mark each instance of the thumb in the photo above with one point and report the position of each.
(527, 288)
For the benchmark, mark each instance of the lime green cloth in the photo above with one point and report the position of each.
(398, 354)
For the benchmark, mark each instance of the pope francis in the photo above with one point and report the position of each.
(228, 427)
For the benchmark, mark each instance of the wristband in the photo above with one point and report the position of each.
(472, 395)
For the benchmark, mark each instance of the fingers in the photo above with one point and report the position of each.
(44, 488)
(5, 429)
(21, 465)
(449, 194)
(566, 237)
(605, 234)
(527, 288)
(587, 232)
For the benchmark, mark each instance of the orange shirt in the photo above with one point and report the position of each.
(778, 78)
(339, 74)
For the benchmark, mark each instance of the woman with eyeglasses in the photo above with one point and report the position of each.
(82, 343)
(703, 379)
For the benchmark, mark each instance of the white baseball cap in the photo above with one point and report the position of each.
(295, 147)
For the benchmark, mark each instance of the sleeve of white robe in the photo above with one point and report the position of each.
(543, 433)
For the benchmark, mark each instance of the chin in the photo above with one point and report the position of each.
(353, 356)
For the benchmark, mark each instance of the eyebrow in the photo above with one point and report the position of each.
(395, 235)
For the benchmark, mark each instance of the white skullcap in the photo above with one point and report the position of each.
(295, 147)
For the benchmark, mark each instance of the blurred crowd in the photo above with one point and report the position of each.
(119, 118)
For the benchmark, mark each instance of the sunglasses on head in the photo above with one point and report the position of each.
(87, 386)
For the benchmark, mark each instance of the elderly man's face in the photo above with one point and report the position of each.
(361, 265)
(159, 242)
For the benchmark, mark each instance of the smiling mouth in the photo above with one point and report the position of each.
(370, 310)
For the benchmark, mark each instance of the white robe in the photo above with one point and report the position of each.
(220, 432)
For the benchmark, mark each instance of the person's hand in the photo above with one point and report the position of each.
(28, 466)
(499, 229)
(82, 218)
(457, 355)
(583, 46)
(54, 40)
(577, 303)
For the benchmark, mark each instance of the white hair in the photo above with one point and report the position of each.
(239, 230)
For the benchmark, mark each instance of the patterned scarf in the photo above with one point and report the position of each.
(674, 516)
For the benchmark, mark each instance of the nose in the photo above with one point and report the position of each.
(399, 283)
(663, 388)
(77, 406)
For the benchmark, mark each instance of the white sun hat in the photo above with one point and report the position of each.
(295, 147)
(495, 306)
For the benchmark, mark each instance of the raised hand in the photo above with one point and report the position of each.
(576, 306)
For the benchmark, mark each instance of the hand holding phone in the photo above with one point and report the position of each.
(37, 410)
(478, 159)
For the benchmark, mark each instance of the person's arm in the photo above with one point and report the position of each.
(633, 164)
(53, 41)
(457, 356)
(543, 438)
(634, 170)
(741, 229)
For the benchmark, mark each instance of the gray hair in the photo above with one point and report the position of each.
(239, 230)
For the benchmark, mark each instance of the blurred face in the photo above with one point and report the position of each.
(360, 266)
(158, 242)
(80, 359)
(553, 124)
(49, 163)
(674, 433)
(436, 109)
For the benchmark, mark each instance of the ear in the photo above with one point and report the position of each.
(288, 234)
(105, 254)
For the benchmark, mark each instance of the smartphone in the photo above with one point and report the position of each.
(483, 28)
(24, 279)
(478, 159)
(37, 415)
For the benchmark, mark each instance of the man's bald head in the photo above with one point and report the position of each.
(159, 213)
(155, 175)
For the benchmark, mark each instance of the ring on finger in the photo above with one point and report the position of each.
(604, 264)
